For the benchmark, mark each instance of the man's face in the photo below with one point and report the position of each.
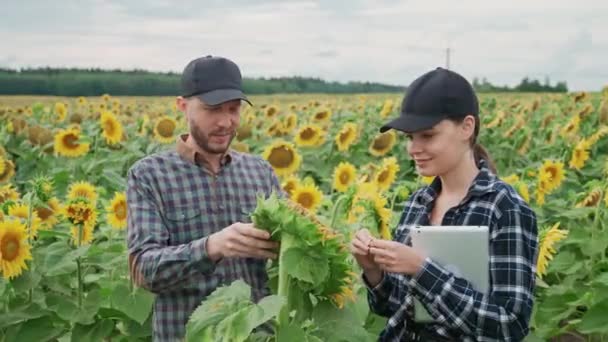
(211, 127)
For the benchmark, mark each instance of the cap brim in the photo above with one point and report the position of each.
(410, 123)
(219, 96)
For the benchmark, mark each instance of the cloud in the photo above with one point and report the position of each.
(367, 40)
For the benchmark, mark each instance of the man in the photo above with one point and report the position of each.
(189, 229)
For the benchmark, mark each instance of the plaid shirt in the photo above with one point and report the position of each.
(461, 312)
(174, 204)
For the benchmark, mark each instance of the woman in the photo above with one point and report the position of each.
(440, 116)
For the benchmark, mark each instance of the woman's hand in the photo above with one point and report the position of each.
(396, 257)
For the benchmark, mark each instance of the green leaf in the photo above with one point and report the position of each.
(303, 266)
(289, 333)
(16, 315)
(26, 281)
(129, 327)
(137, 304)
(94, 332)
(594, 320)
(338, 324)
(38, 329)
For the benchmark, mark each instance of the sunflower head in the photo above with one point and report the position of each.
(346, 136)
(7, 169)
(322, 116)
(82, 189)
(61, 111)
(310, 136)
(290, 183)
(21, 211)
(164, 129)
(283, 157)
(548, 237)
(117, 211)
(39, 136)
(14, 248)
(271, 112)
(344, 176)
(386, 174)
(67, 143)
(43, 187)
(8, 193)
(383, 143)
(112, 130)
(308, 196)
(80, 211)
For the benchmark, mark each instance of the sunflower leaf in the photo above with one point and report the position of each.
(303, 266)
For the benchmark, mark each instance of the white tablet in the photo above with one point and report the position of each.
(463, 250)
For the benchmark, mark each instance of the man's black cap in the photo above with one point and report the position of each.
(214, 80)
(432, 97)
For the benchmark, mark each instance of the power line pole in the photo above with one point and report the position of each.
(447, 58)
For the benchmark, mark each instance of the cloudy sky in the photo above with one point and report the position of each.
(386, 41)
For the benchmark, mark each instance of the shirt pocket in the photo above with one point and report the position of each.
(185, 223)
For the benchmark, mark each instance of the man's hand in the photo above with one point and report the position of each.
(241, 240)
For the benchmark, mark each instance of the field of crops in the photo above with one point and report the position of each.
(63, 163)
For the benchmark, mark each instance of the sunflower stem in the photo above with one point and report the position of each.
(334, 215)
(79, 270)
(283, 289)
(28, 227)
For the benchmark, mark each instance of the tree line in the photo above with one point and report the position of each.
(95, 82)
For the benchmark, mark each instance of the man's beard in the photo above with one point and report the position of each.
(203, 141)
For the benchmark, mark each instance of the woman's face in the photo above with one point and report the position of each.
(440, 149)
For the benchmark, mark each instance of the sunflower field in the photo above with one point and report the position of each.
(63, 259)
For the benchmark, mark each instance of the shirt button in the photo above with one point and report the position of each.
(221, 206)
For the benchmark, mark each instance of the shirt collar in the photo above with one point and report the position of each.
(194, 157)
(482, 184)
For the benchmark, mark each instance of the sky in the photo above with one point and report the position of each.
(385, 41)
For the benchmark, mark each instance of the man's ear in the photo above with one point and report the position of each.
(181, 103)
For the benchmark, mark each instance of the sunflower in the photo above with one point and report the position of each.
(106, 97)
(524, 192)
(308, 196)
(240, 146)
(82, 101)
(61, 111)
(111, 128)
(275, 128)
(21, 211)
(346, 136)
(290, 183)
(39, 136)
(271, 112)
(386, 174)
(14, 249)
(387, 108)
(580, 154)
(117, 211)
(244, 131)
(66, 143)
(511, 179)
(309, 135)
(7, 170)
(164, 129)
(552, 173)
(427, 179)
(383, 143)
(80, 211)
(83, 189)
(85, 238)
(48, 213)
(322, 116)
(592, 199)
(571, 127)
(547, 239)
(7, 193)
(283, 157)
(289, 123)
(344, 175)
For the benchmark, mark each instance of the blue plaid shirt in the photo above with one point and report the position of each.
(461, 312)
(174, 204)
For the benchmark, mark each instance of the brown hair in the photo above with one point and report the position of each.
(479, 152)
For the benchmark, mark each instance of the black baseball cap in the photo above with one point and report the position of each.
(432, 97)
(213, 80)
